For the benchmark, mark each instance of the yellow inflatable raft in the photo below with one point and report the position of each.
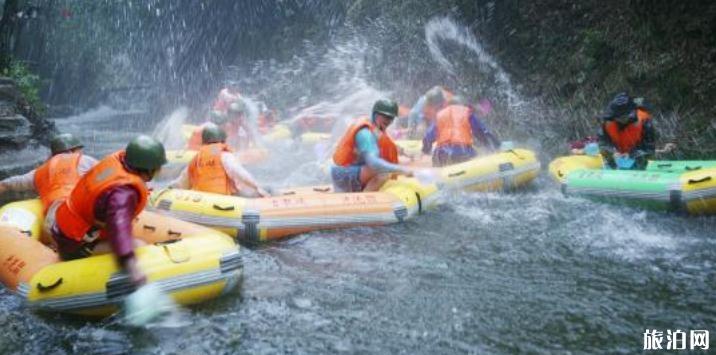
(296, 211)
(189, 262)
(562, 166)
(506, 170)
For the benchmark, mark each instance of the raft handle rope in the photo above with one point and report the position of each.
(689, 168)
(176, 258)
(324, 189)
(150, 228)
(43, 288)
(287, 193)
(668, 165)
(172, 233)
(228, 208)
(517, 155)
(154, 197)
(166, 242)
(459, 173)
(420, 203)
(696, 181)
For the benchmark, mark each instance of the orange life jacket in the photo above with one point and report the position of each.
(628, 137)
(346, 153)
(207, 173)
(76, 216)
(56, 178)
(453, 126)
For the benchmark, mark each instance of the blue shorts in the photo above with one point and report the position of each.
(346, 178)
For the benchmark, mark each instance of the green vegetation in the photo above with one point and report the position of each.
(28, 83)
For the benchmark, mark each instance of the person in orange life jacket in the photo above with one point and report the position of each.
(365, 156)
(54, 179)
(627, 131)
(241, 120)
(215, 169)
(227, 96)
(425, 110)
(97, 216)
(453, 130)
(215, 117)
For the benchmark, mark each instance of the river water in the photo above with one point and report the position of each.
(530, 271)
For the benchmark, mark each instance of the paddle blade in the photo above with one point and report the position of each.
(147, 304)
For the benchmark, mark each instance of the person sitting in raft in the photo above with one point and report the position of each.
(55, 178)
(215, 117)
(242, 126)
(426, 109)
(453, 131)
(627, 137)
(365, 155)
(215, 169)
(97, 216)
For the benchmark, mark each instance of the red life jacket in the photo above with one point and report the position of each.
(76, 216)
(55, 179)
(453, 126)
(628, 137)
(346, 152)
(207, 173)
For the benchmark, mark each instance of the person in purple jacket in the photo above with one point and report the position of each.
(98, 214)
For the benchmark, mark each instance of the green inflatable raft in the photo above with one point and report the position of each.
(684, 186)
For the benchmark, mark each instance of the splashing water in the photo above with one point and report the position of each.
(169, 131)
(519, 116)
(445, 29)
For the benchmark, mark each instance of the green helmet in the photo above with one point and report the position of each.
(218, 117)
(212, 133)
(64, 142)
(145, 153)
(434, 96)
(386, 107)
(237, 107)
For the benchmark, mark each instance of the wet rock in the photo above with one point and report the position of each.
(22, 131)
(15, 132)
(8, 91)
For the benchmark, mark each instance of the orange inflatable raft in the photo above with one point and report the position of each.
(296, 210)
